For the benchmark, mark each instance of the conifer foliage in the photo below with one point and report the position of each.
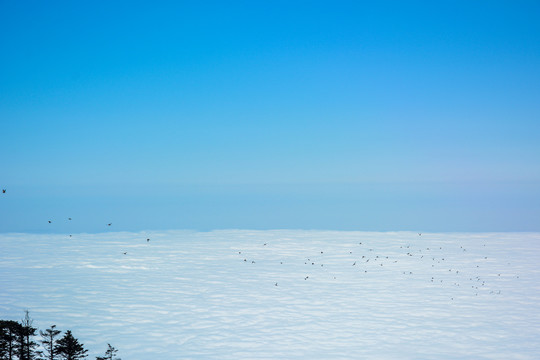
(110, 354)
(9, 334)
(49, 342)
(17, 343)
(69, 348)
(26, 344)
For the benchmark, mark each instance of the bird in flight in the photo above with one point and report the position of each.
(50, 221)
(109, 224)
(3, 191)
(69, 218)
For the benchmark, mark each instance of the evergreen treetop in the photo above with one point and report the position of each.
(110, 354)
(69, 348)
(49, 342)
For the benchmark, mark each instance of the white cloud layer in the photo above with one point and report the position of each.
(339, 295)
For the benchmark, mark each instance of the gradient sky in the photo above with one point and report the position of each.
(317, 115)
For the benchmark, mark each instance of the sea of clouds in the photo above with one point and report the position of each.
(283, 294)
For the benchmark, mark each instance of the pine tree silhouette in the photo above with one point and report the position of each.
(25, 343)
(16, 343)
(9, 332)
(49, 342)
(69, 348)
(109, 354)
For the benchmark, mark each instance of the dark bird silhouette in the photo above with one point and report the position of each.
(3, 191)
(50, 221)
(147, 240)
(69, 218)
(125, 253)
(109, 224)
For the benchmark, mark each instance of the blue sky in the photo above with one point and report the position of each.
(329, 115)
